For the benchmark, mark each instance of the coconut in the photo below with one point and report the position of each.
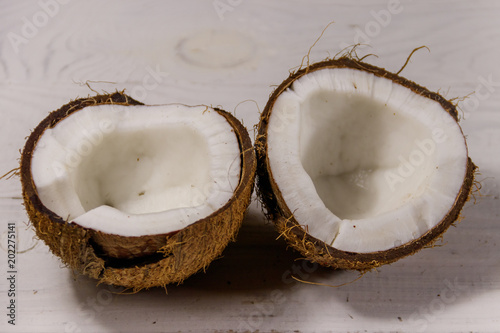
(359, 167)
(133, 195)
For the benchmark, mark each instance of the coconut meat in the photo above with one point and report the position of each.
(363, 163)
(137, 170)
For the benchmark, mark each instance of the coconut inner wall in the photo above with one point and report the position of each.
(146, 171)
(137, 170)
(363, 163)
(347, 144)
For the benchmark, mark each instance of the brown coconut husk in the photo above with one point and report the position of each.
(164, 259)
(296, 234)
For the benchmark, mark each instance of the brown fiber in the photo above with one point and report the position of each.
(296, 234)
(177, 256)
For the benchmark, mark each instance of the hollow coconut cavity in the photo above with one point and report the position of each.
(359, 167)
(133, 195)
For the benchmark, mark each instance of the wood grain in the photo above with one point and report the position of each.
(130, 45)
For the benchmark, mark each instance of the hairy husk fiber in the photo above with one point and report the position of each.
(182, 253)
(295, 234)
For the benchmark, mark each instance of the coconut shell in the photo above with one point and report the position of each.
(290, 229)
(137, 262)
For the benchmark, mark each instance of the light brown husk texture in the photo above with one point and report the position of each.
(296, 234)
(182, 254)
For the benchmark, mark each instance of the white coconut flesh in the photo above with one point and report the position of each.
(137, 170)
(363, 163)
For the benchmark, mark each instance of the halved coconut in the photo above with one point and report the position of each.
(359, 167)
(133, 195)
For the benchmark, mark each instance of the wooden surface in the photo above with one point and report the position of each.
(232, 54)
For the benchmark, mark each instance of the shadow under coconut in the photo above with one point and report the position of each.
(255, 261)
(412, 292)
(249, 271)
(416, 290)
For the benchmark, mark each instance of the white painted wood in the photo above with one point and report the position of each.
(156, 51)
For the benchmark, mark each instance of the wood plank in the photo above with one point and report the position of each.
(149, 48)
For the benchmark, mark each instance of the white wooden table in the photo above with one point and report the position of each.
(231, 53)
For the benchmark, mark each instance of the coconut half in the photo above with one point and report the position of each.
(359, 167)
(134, 195)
